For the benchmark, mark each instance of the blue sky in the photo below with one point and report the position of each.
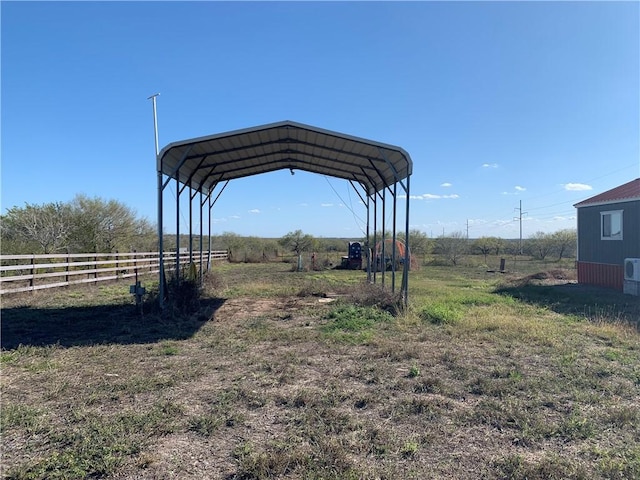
(497, 103)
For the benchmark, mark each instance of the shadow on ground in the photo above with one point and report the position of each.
(103, 324)
(585, 301)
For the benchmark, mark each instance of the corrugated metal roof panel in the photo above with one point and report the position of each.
(207, 160)
(628, 191)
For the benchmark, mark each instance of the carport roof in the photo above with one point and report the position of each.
(205, 161)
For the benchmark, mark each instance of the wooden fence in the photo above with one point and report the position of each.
(25, 273)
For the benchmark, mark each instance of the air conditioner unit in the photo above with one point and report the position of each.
(632, 269)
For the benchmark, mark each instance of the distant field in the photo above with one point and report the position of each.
(277, 374)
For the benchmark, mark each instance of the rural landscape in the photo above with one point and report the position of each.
(320, 241)
(268, 372)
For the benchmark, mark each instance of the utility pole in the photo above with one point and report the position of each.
(467, 229)
(519, 218)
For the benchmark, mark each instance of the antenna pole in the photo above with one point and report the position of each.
(155, 119)
(160, 228)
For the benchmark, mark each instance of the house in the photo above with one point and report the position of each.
(609, 234)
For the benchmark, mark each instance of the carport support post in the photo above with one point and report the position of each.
(375, 236)
(405, 272)
(160, 243)
(209, 226)
(178, 226)
(394, 236)
(383, 260)
(368, 244)
(200, 248)
(190, 223)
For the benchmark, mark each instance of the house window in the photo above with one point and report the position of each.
(611, 225)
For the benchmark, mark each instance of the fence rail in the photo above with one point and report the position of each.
(27, 273)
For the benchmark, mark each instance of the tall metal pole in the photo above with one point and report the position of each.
(190, 223)
(394, 238)
(367, 242)
(407, 258)
(178, 226)
(209, 227)
(160, 233)
(375, 235)
(201, 232)
(383, 260)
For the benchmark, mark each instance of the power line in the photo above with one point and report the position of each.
(356, 218)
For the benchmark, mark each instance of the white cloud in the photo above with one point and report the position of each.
(255, 210)
(446, 184)
(489, 165)
(326, 204)
(304, 204)
(431, 196)
(517, 189)
(577, 187)
(235, 217)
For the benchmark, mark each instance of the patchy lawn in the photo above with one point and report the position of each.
(276, 374)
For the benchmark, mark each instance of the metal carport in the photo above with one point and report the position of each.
(202, 164)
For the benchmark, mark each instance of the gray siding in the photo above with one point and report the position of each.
(592, 249)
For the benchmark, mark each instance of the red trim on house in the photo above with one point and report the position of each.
(601, 275)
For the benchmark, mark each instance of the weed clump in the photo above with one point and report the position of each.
(354, 318)
(184, 295)
(353, 324)
(441, 313)
(369, 295)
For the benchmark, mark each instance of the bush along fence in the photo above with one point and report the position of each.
(25, 273)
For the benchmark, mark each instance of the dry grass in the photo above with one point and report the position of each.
(287, 375)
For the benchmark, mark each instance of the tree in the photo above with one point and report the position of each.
(564, 242)
(540, 245)
(499, 244)
(232, 243)
(102, 226)
(454, 247)
(45, 227)
(297, 242)
(145, 236)
(486, 245)
(419, 242)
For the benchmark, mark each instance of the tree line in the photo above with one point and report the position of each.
(83, 225)
(95, 225)
(540, 246)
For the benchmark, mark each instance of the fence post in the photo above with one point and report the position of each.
(33, 271)
(66, 277)
(117, 265)
(135, 263)
(95, 269)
